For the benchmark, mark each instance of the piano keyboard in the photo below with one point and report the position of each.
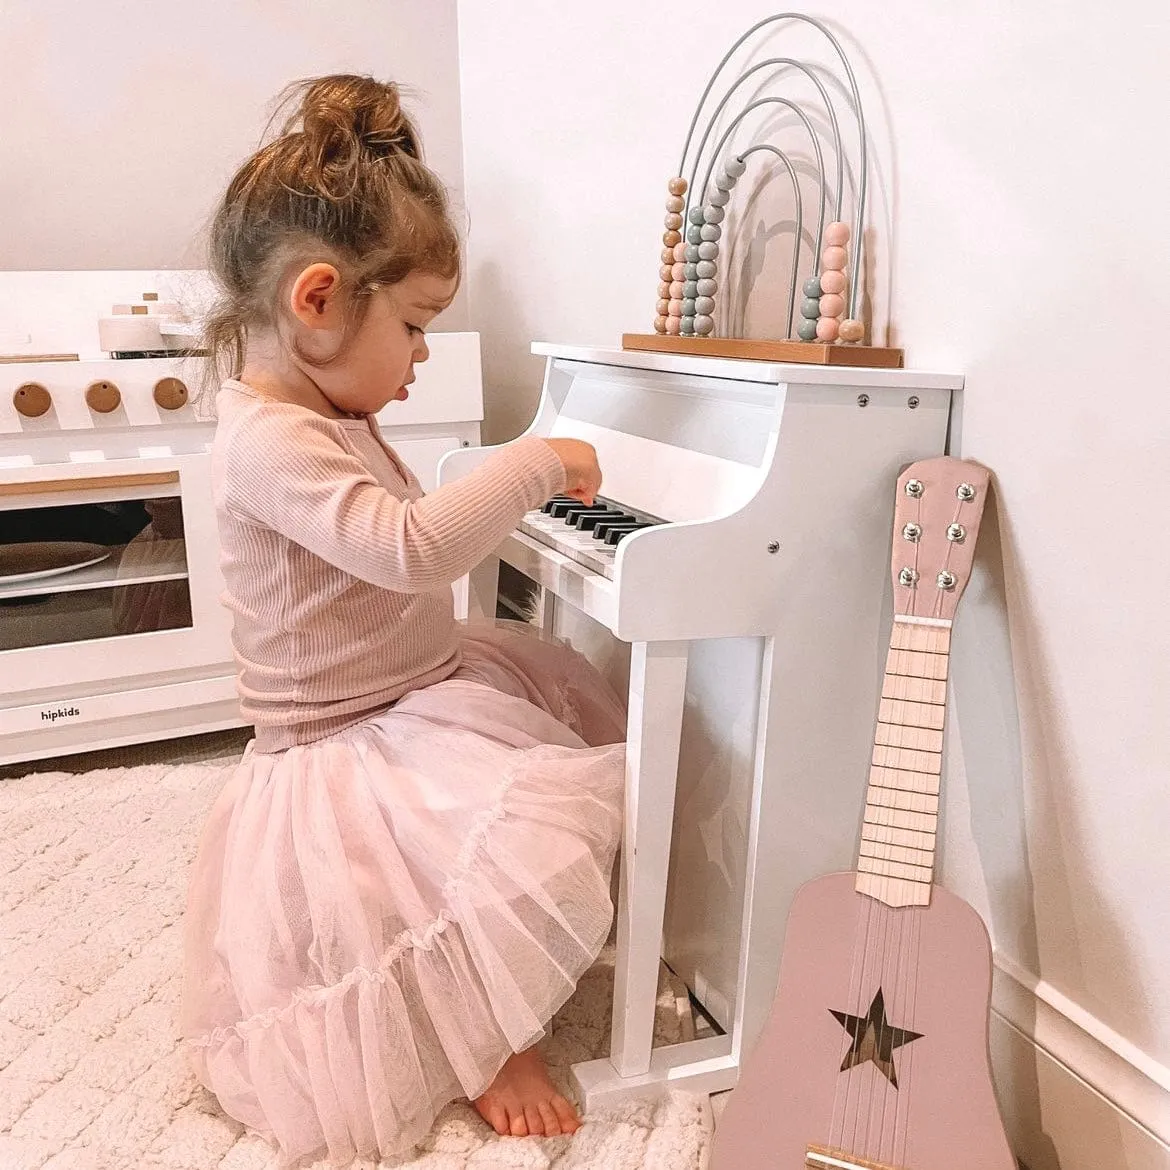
(589, 535)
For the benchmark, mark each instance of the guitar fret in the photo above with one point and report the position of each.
(893, 835)
(901, 818)
(922, 739)
(907, 759)
(917, 690)
(910, 714)
(920, 802)
(931, 639)
(895, 780)
(917, 664)
(893, 891)
(903, 853)
(913, 873)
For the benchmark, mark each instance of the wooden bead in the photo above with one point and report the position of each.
(170, 393)
(679, 253)
(677, 186)
(706, 286)
(678, 272)
(833, 258)
(719, 197)
(705, 269)
(676, 290)
(660, 323)
(664, 273)
(810, 309)
(695, 216)
(664, 289)
(708, 250)
(851, 330)
(710, 231)
(704, 306)
(672, 325)
(663, 306)
(674, 309)
(704, 324)
(807, 330)
(675, 203)
(812, 288)
(832, 282)
(734, 167)
(837, 233)
(827, 329)
(103, 397)
(671, 238)
(672, 220)
(32, 400)
(667, 256)
(713, 214)
(832, 305)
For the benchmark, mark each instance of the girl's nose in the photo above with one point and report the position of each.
(421, 350)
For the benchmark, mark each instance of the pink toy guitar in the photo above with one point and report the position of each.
(876, 1055)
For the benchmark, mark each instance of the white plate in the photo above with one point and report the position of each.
(35, 561)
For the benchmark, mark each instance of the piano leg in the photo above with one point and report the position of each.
(483, 587)
(658, 672)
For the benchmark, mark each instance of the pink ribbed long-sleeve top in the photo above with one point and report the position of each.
(338, 568)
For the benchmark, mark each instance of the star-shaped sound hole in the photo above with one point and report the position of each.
(874, 1038)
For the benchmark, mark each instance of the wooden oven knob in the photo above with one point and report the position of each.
(32, 400)
(170, 393)
(103, 397)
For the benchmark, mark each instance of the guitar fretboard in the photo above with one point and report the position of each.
(896, 857)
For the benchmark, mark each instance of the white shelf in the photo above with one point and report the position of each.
(168, 563)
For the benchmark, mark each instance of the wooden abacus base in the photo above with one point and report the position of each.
(812, 353)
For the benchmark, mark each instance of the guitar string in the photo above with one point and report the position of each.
(837, 1136)
(913, 1019)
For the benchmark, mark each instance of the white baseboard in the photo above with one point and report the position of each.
(1075, 1094)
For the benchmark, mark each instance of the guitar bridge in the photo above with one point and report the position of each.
(826, 1158)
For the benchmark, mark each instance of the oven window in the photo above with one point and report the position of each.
(78, 572)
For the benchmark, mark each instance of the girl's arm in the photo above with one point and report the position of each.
(286, 470)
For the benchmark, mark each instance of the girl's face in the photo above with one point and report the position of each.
(377, 364)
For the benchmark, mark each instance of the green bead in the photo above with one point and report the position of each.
(810, 308)
(689, 272)
(687, 325)
(690, 289)
(812, 288)
(695, 215)
(688, 307)
(692, 253)
(807, 331)
(694, 234)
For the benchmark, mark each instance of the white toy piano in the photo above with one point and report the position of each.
(739, 549)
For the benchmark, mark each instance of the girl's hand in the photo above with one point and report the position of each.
(582, 473)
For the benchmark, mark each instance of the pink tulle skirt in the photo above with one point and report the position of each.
(377, 920)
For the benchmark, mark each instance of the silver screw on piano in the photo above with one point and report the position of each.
(965, 492)
(946, 579)
(908, 577)
(773, 546)
(863, 400)
(912, 402)
(914, 488)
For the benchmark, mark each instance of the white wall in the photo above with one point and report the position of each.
(122, 122)
(1021, 167)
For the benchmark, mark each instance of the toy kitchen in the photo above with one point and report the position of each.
(111, 626)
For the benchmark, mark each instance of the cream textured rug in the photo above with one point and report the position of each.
(93, 869)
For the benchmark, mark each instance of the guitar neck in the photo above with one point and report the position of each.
(896, 857)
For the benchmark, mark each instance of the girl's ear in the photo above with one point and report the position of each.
(315, 297)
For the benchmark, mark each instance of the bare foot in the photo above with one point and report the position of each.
(522, 1102)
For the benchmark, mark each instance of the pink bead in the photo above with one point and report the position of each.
(663, 306)
(664, 289)
(675, 203)
(673, 324)
(833, 282)
(677, 186)
(833, 258)
(672, 219)
(660, 323)
(679, 252)
(837, 233)
(827, 329)
(852, 330)
(676, 290)
(664, 273)
(832, 305)
(678, 271)
(674, 308)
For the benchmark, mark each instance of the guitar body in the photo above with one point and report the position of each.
(916, 1090)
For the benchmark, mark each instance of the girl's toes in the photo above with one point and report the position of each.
(552, 1125)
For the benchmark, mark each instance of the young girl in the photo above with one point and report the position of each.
(409, 871)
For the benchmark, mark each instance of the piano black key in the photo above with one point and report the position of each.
(603, 526)
(571, 514)
(618, 533)
(550, 504)
(586, 521)
(560, 508)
